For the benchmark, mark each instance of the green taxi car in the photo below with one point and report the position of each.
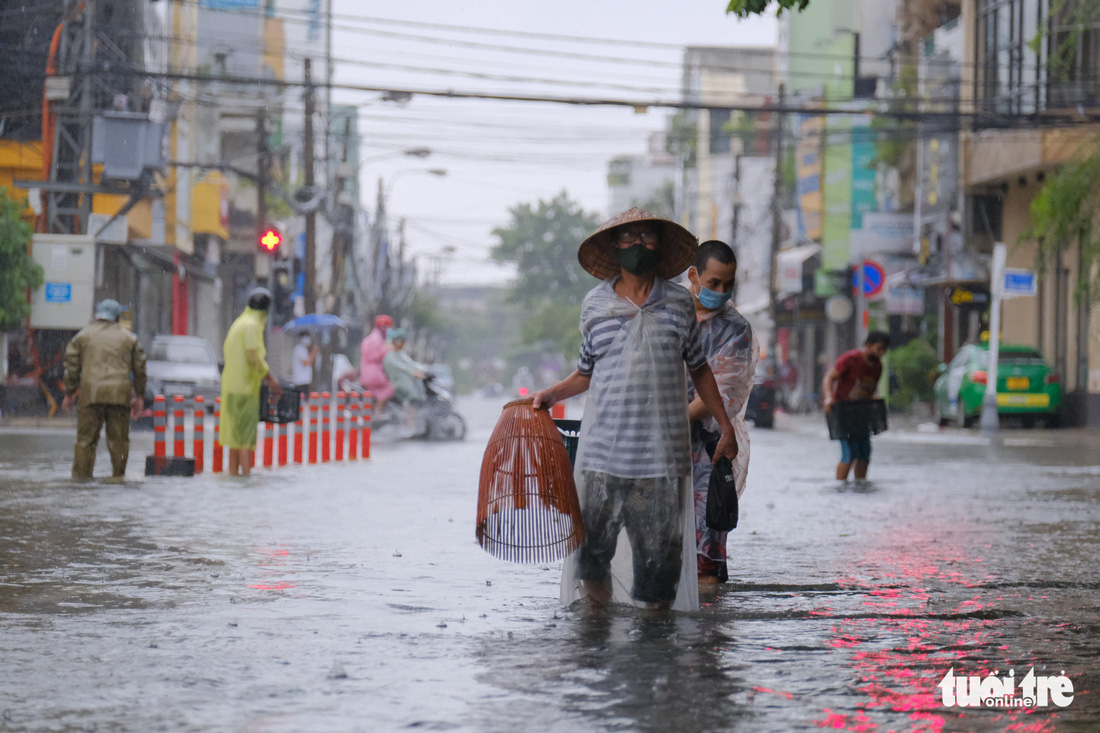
(1026, 386)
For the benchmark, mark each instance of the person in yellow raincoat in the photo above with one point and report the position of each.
(245, 368)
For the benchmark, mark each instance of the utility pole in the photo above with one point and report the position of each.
(734, 241)
(777, 221)
(343, 224)
(261, 194)
(311, 217)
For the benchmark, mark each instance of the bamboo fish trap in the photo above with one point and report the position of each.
(527, 507)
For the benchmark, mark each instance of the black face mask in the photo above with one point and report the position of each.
(638, 259)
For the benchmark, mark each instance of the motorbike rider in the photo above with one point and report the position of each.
(405, 374)
(370, 374)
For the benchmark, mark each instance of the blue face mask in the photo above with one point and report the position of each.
(712, 300)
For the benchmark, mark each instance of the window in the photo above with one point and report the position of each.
(1001, 45)
(1073, 58)
(1012, 79)
(186, 351)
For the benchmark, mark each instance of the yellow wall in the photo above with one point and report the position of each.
(206, 205)
(1020, 317)
(19, 160)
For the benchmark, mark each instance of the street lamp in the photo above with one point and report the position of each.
(411, 152)
(387, 187)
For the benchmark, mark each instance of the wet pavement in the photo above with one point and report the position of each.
(351, 597)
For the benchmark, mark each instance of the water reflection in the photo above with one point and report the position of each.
(628, 671)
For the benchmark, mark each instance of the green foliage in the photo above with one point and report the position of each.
(542, 242)
(746, 8)
(915, 366)
(894, 136)
(1063, 217)
(682, 136)
(1074, 18)
(18, 272)
(662, 203)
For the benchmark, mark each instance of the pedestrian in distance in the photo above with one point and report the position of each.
(732, 352)
(105, 376)
(633, 463)
(855, 376)
(245, 369)
(303, 357)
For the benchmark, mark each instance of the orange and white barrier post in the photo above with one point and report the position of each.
(299, 431)
(160, 426)
(216, 459)
(353, 426)
(198, 442)
(269, 445)
(326, 420)
(177, 426)
(282, 443)
(341, 396)
(367, 409)
(313, 427)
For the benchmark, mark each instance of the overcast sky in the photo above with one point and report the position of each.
(498, 154)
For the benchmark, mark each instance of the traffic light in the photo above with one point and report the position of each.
(282, 304)
(270, 241)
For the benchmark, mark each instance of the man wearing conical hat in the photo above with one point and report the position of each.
(640, 339)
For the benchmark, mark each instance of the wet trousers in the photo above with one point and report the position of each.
(89, 421)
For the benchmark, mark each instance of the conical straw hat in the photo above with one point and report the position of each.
(677, 246)
(527, 507)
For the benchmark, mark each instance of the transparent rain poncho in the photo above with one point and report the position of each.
(732, 352)
(635, 426)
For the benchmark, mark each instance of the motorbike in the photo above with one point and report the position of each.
(435, 418)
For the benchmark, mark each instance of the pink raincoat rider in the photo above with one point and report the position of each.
(373, 350)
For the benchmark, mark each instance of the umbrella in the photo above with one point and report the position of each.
(315, 322)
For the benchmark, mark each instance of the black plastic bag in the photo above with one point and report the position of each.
(721, 494)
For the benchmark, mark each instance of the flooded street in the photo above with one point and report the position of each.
(354, 597)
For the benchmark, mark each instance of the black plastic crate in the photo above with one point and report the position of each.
(854, 419)
(571, 433)
(287, 409)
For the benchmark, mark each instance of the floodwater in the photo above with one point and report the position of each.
(353, 597)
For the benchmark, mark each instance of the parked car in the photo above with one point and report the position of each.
(182, 365)
(1026, 385)
(761, 404)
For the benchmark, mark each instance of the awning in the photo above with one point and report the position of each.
(788, 267)
(798, 255)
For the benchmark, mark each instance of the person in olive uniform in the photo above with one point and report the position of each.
(105, 370)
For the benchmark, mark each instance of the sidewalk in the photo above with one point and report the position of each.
(40, 422)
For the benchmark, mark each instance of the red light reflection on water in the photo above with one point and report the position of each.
(273, 561)
(272, 586)
(905, 678)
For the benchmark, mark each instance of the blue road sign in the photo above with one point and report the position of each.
(874, 278)
(1020, 282)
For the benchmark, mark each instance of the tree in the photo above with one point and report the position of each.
(542, 242)
(1065, 215)
(746, 8)
(18, 271)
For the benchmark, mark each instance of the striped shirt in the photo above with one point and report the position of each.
(637, 421)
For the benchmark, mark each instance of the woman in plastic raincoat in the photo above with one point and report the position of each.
(245, 368)
(371, 353)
